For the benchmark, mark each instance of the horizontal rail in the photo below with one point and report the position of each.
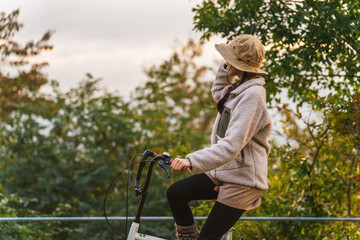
(42, 219)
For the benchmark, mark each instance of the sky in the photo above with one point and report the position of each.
(111, 39)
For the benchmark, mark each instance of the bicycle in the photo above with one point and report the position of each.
(162, 160)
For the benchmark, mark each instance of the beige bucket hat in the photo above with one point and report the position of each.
(245, 52)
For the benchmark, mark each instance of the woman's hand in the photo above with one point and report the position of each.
(227, 65)
(180, 164)
(233, 71)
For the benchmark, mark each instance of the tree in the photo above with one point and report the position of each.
(59, 157)
(18, 90)
(59, 153)
(14, 206)
(312, 45)
(345, 122)
(68, 159)
(313, 49)
(56, 151)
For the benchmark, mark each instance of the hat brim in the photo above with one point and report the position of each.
(226, 53)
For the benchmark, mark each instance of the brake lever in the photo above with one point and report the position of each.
(162, 165)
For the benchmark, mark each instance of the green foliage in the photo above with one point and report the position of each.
(72, 154)
(64, 149)
(15, 206)
(17, 92)
(346, 116)
(312, 50)
(21, 104)
(59, 153)
(311, 45)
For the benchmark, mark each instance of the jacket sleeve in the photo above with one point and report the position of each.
(244, 123)
(221, 84)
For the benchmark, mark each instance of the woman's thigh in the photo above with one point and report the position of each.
(195, 187)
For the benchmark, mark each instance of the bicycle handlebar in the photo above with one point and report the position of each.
(162, 160)
(165, 157)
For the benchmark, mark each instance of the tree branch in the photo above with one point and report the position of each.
(327, 76)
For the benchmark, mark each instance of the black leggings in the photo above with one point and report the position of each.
(200, 187)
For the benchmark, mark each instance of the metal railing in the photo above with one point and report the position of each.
(42, 219)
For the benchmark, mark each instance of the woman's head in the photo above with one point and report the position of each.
(242, 75)
(245, 53)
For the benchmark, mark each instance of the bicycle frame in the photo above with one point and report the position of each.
(134, 235)
(143, 191)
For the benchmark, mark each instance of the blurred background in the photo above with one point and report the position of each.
(84, 85)
(113, 40)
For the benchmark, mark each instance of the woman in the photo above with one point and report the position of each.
(233, 170)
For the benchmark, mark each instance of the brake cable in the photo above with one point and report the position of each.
(127, 191)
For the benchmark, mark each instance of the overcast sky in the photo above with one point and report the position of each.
(112, 39)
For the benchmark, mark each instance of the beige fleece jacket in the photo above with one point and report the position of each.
(240, 157)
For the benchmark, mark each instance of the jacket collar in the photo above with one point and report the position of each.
(252, 82)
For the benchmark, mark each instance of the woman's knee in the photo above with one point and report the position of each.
(171, 192)
(174, 191)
